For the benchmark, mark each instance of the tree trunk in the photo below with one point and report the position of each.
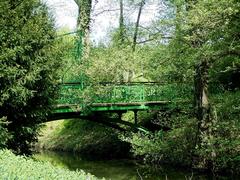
(201, 90)
(205, 117)
(137, 25)
(83, 25)
(121, 23)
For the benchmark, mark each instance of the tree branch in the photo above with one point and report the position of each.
(106, 10)
(77, 2)
(152, 39)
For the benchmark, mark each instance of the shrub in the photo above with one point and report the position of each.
(4, 135)
(174, 146)
(20, 167)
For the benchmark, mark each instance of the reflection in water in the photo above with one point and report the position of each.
(114, 169)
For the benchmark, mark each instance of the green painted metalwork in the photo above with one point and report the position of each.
(115, 93)
(131, 96)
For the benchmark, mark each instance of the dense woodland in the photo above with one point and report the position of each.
(193, 42)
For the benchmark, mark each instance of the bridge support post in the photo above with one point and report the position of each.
(135, 117)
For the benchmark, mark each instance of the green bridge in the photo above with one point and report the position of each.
(82, 100)
(92, 101)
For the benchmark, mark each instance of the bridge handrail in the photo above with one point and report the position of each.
(124, 83)
(122, 92)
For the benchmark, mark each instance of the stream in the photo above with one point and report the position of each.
(118, 169)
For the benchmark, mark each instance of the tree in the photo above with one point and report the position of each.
(209, 36)
(83, 24)
(137, 25)
(28, 69)
(204, 52)
(213, 33)
(121, 22)
(119, 35)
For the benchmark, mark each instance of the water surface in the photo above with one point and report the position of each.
(121, 169)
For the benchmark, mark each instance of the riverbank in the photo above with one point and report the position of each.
(82, 137)
(20, 167)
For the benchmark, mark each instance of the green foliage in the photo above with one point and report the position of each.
(28, 68)
(67, 46)
(4, 135)
(174, 146)
(203, 30)
(20, 167)
(227, 131)
(113, 64)
(119, 38)
(211, 32)
(85, 137)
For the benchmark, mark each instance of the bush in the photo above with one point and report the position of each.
(29, 63)
(173, 147)
(177, 145)
(20, 167)
(227, 132)
(4, 135)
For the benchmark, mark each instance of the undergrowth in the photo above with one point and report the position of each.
(21, 168)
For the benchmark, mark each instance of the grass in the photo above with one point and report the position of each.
(84, 137)
(21, 168)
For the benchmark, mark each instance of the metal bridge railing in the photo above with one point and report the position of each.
(123, 93)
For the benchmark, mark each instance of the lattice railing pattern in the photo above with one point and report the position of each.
(123, 93)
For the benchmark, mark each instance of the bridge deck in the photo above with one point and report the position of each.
(128, 106)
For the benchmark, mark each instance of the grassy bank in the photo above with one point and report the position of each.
(84, 137)
(19, 167)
